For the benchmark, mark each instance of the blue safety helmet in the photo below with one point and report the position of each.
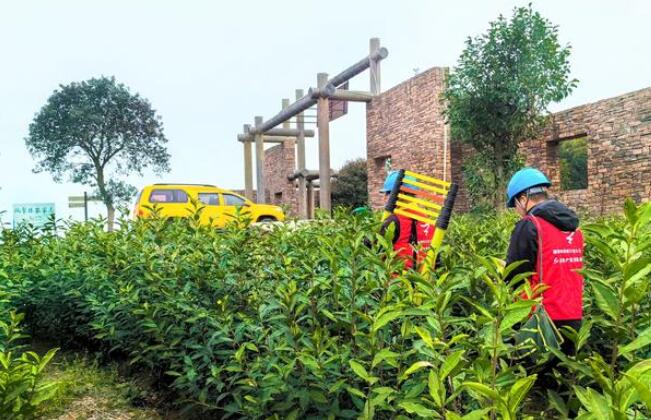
(524, 180)
(391, 180)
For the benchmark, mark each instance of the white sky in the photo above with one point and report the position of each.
(209, 66)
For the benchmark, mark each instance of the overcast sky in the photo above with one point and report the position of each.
(208, 67)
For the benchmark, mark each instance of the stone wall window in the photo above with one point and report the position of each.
(382, 163)
(573, 163)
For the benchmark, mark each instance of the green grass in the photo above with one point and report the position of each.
(88, 390)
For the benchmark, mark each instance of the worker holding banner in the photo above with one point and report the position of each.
(411, 238)
(418, 208)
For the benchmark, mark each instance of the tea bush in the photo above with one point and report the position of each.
(23, 390)
(309, 320)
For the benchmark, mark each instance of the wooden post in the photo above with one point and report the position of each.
(300, 161)
(310, 199)
(288, 190)
(259, 164)
(248, 166)
(374, 69)
(85, 206)
(323, 120)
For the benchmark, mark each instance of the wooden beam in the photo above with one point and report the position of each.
(307, 101)
(276, 132)
(341, 94)
(360, 66)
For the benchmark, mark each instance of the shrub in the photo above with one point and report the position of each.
(306, 320)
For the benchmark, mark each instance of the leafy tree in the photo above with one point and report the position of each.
(350, 188)
(479, 182)
(500, 90)
(94, 132)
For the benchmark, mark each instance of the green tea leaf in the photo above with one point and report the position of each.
(425, 336)
(418, 409)
(519, 390)
(385, 319)
(557, 403)
(385, 355)
(416, 366)
(630, 210)
(643, 390)
(451, 362)
(435, 387)
(516, 312)
(606, 299)
(483, 390)
(642, 340)
(361, 372)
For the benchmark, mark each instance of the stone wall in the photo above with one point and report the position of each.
(618, 132)
(280, 162)
(405, 124)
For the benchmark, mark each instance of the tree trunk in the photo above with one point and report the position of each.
(101, 186)
(498, 196)
(110, 216)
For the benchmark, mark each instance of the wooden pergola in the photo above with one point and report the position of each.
(268, 131)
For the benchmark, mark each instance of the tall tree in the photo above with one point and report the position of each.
(504, 81)
(95, 132)
(350, 188)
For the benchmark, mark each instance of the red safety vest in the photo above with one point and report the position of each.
(560, 255)
(413, 235)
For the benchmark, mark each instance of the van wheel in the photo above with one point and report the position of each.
(264, 219)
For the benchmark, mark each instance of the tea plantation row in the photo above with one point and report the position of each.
(311, 322)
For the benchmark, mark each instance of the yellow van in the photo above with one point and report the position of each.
(219, 206)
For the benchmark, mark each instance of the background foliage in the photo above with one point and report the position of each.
(350, 188)
(573, 158)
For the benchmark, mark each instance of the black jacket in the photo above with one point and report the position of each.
(524, 238)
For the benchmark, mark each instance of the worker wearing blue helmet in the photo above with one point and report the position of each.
(411, 238)
(549, 242)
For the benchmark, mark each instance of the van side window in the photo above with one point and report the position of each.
(233, 200)
(168, 196)
(209, 199)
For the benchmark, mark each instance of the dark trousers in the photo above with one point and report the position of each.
(546, 375)
(568, 347)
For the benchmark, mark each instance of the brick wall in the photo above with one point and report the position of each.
(405, 124)
(280, 162)
(618, 133)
